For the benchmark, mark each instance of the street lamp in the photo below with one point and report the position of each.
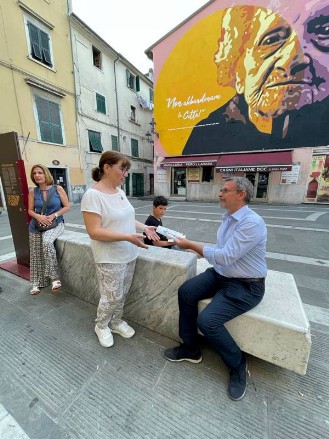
(149, 137)
(153, 124)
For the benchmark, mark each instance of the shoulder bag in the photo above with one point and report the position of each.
(53, 224)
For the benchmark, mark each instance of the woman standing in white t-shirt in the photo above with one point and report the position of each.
(110, 222)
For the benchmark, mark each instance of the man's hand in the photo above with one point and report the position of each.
(183, 243)
(189, 245)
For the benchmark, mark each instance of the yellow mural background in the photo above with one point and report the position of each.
(189, 70)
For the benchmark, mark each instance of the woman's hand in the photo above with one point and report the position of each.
(150, 232)
(51, 217)
(138, 240)
(43, 219)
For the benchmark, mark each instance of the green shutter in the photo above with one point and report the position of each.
(36, 50)
(44, 39)
(100, 103)
(134, 147)
(127, 185)
(151, 94)
(137, 83)
(138, 185)
(40, 48)
(55, 122)
(114, 141)
(95, 141)
(49, 121)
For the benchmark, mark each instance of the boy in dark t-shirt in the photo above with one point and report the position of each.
(160, 204)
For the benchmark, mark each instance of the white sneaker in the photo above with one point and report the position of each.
(105, 336)
(123, 329)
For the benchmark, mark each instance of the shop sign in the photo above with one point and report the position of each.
(288, 177)
(162, 176)
(255, 168)
(186, 164)
(193, 174)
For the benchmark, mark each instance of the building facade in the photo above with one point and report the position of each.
(114, 108)
(242, 88)
(37, 88)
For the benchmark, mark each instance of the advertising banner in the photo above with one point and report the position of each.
(323, 189)
(314, 178)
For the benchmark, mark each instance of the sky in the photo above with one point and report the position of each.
(130, 27)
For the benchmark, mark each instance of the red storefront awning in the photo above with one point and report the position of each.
(189, 161)
(255, 162)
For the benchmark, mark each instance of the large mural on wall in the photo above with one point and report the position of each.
(247, 78)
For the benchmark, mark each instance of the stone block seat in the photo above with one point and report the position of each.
(152, 299)
(277, 330)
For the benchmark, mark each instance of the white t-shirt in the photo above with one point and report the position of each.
(117, 215)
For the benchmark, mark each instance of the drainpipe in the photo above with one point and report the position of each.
(117, 101)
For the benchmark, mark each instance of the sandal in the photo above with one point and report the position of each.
(34, 291)
(56, 285)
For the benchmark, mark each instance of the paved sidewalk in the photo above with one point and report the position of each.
(58, 382)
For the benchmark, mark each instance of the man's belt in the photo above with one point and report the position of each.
(253, 279)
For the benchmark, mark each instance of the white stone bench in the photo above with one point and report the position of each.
(152, 299)
(277, 330)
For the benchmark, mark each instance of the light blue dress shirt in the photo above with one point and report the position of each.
(241, 245)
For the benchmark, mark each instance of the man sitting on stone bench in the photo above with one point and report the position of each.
(236, 284)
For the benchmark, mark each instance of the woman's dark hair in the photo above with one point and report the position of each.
(109, 158)
(48, 176)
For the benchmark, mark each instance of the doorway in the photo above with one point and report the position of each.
(59, 176)
(260, 182)
(178, 182)
(137, 185)
(151, 184)
(127, 185)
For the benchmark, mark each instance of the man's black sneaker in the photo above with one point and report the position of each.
(238, 382)
(179, 353)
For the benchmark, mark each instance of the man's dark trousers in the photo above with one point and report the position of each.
(231, 297)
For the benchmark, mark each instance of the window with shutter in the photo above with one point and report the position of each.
(132, 81)
(114, 142)
(49, 120)
(40, 47)
(95, 144)
(151, 94)
(100, 103)
(134, 147)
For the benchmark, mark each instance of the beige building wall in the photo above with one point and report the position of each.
(23, 78)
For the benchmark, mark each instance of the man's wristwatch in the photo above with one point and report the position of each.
(56, 216)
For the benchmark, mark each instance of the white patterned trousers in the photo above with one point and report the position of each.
(114, 283)
(43, 259)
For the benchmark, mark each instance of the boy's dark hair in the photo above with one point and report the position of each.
(160, 201)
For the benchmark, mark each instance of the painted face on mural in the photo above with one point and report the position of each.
(276, 66)
(312, 28)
